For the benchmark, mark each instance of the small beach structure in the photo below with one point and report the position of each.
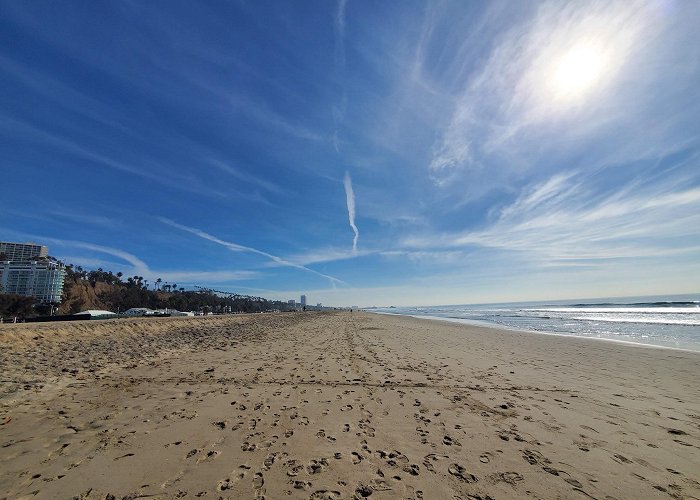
(138, 311)
(96, 314)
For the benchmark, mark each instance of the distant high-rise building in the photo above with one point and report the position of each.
(25, 270)
(40, 279)
(22, 251)
(292, 302)
(303, 301)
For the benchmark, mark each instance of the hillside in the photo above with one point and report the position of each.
(79, 294)
(101, 289)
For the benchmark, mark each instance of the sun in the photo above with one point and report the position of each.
(577, 71)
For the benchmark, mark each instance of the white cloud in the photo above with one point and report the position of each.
(266, 115)
(350, 198)
(246, 176)
(338, 110)
(138, 266)
(339, 31)
(510, 116)
(326, 255)
(235, 247)
(82, 218)
(563, 219)
(152, 171)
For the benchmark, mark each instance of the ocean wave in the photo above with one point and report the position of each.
(650, 321)
(619, 310)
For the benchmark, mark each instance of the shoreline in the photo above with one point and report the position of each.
(496, 326)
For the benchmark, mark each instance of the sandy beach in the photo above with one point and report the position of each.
(340, 405)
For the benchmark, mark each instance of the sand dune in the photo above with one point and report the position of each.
(340, 405)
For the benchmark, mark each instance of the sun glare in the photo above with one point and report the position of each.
(577, 72)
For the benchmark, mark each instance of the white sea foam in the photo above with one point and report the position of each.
(663, 321)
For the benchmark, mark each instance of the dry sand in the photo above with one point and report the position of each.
(340, 405)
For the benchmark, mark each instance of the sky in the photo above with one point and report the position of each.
(362, 153)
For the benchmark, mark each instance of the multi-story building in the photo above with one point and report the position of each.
(303, 301)
(26, 270)
(22, 251)
(40, 279)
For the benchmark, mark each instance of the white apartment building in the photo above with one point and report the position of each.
(40, 279)
(25, 270)
(23, 251)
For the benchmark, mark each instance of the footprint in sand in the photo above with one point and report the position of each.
(301, 485)
(211, 455)
(461, 473)
(432, 457)
(507, 477)
(316, 466)
(294, 467)
(325, 495)
(621, 459)
(228, 483)
(412, 469)
(269, 460)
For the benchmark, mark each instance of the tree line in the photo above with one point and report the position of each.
(124, 293)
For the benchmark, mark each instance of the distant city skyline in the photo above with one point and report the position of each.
(392, 153)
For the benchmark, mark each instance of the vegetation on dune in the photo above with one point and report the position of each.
(16, 305)
(100, 289)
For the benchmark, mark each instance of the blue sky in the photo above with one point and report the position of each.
(368, 153)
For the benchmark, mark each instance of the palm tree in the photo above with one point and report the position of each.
(158, 282)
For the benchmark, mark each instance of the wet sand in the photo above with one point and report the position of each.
(340, 405)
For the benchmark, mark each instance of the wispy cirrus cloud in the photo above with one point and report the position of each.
(84, 218)
(339, 33)
(143, 168)
(339, 108)
(564, 219)
(350, 200)
(268, 116)
(138, 265)
(512, 103)
(322, 255)
(247, 177)
(135, 265)
(235, 247)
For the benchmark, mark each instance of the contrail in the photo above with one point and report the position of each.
(350, 197)
(234, 247)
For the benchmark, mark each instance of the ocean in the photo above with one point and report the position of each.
(666, 321)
